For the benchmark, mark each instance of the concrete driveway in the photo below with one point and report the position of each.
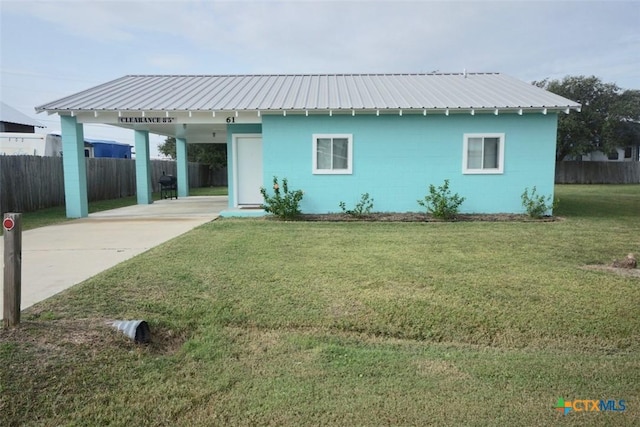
(57, 257)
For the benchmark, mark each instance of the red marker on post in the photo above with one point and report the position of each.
(8, 224)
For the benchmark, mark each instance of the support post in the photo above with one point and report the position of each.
(143, 168)
(182, 164)
(12, 224)
(75, 168)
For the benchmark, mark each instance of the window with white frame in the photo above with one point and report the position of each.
(332, 153)
(483, 153)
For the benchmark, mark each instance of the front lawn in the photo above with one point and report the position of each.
(260, 322)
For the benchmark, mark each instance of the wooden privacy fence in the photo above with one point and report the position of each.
(29, 183)
(199, 175)
(597, 172)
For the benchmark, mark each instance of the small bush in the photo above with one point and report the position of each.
(285, 204)
(440, 203)
(362, 208)
(536, 205)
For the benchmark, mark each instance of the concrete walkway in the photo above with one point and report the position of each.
(57, 257)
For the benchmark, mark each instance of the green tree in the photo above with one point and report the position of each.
(168, 147)
(609, 118)
(214, 155)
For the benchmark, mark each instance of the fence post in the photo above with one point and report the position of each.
(12, 224)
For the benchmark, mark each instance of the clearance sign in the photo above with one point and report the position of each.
(154, 120)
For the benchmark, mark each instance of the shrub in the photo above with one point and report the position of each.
(536, 205)
(362, 208)
(440, 203)
(285, 204)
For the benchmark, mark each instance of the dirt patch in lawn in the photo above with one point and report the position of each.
(58, 332)
(63, 334)
(627, 272)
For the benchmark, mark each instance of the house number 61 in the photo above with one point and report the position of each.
(231, 119)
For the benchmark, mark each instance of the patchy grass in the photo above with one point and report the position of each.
(261, 322)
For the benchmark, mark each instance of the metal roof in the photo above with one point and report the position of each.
(9, 114)
(310, 92)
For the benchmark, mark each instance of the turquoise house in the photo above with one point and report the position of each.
(337, 136)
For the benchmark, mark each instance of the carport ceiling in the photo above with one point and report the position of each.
(194, 133)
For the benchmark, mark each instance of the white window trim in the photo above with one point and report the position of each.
(314, 148)
(465, 143)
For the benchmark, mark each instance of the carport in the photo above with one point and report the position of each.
(175, 106)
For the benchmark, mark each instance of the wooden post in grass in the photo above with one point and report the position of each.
(12, 224)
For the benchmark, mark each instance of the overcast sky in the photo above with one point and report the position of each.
(51, 49)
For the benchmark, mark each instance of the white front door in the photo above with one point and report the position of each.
(248, 169)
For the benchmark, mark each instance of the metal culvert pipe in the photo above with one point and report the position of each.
(137, 330)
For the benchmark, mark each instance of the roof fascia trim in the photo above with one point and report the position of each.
(330, 111)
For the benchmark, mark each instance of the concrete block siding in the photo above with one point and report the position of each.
(395, 158)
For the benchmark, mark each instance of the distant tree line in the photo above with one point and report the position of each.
(609, 118)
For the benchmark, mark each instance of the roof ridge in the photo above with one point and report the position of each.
(315, 74)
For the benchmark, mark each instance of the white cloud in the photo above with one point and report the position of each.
(353, 36)
(70, 45)
(92, 20)
(169, 62)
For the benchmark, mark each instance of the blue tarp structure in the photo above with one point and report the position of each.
(105, 148)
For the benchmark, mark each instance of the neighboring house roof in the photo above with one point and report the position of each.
(11, 115)
(311, 92)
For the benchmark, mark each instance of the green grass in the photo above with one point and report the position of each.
(208, 191)
(260, 322)
(596, 202)
(56, 215)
